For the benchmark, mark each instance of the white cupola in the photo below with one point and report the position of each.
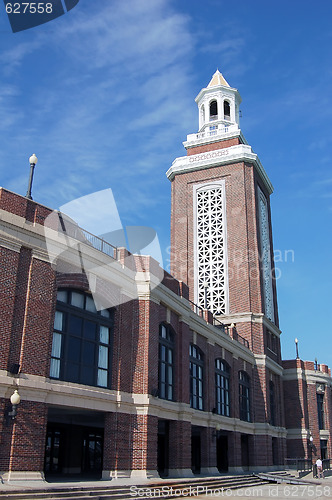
(218, 105)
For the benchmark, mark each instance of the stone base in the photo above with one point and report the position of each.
(13, 476)
(180, 473)
(130, 474)
(212, 471)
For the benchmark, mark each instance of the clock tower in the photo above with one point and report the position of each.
(221, 236)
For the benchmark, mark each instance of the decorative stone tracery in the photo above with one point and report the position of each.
(211, 248)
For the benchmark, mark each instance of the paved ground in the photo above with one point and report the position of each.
(313, 490)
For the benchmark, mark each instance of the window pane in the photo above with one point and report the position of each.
(77, 300)
(104, 334)
(72, 373)
(75, 325)
(56, 346)
(55, 368)
(89, 330)
(87, 377)
(88, 353)
(163, 331)
(58, 320)
(90, 305)
(103, 357)
(62, 296)
(74, 349)
(105, 313)
(102, 378)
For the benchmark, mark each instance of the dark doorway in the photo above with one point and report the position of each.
(73, 450)
(92, 452)
(245, 451)
(74, 444)
(274, 451)
(53, 451)
(222, 453)
(196, 450)
(163, 448)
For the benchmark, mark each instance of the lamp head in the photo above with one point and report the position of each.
(33, 159)
(15, 398)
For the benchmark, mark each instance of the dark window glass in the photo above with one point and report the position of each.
(81, 340)
(244, 392)
(227, 110)
(196, 377)
(222, 388)
(272, 404)
(166, 365)
(320, 408)
(214, 109)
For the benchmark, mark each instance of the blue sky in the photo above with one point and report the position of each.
(104, 96)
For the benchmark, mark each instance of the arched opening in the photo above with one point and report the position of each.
(227, 110)
(213, 110)
(203, 114)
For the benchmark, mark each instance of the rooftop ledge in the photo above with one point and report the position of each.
(223, 132)
(233, 154)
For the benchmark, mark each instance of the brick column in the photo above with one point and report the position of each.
(23, 443)
(234, 453)
(209, 450)
(180, 449)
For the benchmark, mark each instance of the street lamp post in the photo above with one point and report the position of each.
(33, 161)
(297, 348)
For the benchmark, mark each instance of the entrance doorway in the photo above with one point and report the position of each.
(196, 450)
(74, 444)
(245, 451)
(163, 448)
(222, 452)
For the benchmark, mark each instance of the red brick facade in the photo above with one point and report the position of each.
(262, 412)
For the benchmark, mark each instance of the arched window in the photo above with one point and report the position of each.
(222, 388)
(244, 393)
(166, 363)
(227, 110)
(203, 113)
(81, 349)
(272, 404)
(196, 377)
(213, 110)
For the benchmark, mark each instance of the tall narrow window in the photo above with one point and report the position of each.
(166, 363)
(272, 404)
(222, 388)
(211, 275)
(213, 110)
(81, 340)
(227, 111)
(196, 377)
(320, 409)
(265, 256)
(244, 392)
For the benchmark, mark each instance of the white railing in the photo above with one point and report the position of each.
(221, 130)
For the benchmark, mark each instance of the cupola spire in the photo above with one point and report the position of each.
(218, 105)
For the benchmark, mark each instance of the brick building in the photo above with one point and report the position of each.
(125, 370)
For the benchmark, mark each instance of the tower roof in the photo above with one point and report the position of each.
(218, 79)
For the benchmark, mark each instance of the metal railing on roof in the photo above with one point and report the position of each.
(71, 229)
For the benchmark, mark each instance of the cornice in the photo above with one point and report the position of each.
(233, 154)
(263, 360)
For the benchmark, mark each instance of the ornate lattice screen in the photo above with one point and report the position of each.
(266, 255)
(211, 284)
